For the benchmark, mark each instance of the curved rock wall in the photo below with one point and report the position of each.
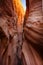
(11, 29)
(33, 32)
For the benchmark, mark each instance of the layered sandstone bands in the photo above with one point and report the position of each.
(33, 32)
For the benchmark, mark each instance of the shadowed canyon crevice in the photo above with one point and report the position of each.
(21, 33)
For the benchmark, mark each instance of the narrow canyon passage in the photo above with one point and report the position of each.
(21, 32)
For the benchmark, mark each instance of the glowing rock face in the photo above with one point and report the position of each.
(10, 26)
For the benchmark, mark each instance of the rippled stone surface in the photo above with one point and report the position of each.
(33, 32)
(14, 34)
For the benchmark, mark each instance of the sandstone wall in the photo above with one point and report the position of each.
(33, 32)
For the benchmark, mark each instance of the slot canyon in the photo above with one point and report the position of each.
(21, 32)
